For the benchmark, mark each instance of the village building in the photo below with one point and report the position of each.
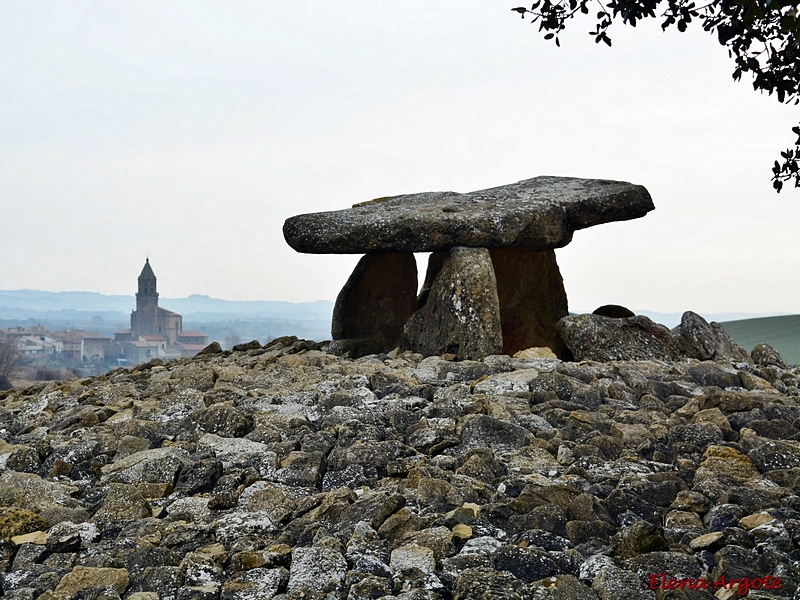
(156, 332)
(32, 342)
(83, 345)
(70, 345)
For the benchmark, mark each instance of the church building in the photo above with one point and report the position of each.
(156, 332)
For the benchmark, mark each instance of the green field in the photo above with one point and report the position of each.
(782, 333)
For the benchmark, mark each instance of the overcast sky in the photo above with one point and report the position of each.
(189, 131)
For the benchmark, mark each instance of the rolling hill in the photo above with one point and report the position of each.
(782, 333)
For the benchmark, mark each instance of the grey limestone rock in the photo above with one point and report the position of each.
(495, 478)
(317, 568)
(765, 355)
(462, 312)
(595, 337)
(537, 214)
(707, 341)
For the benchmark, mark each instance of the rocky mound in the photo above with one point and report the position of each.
(289, 472)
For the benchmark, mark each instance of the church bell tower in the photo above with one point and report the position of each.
(144, 319)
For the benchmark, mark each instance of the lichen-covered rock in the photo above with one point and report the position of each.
(613, 583)
(157, 465)
(319, 569)
(462, 313)
(30, 491)
(239, 453)
(219, 419)
(417, 478)
(486, 584)
(707, 341)
(367, 552)
(594, 337)
(526, 564)
(255, 583)
(16, 521)
(639, 538)
(538, 214)
(558, 587)
(766, 356)
(122, 504)
(412, 556)
(82, 578)
(776, 454)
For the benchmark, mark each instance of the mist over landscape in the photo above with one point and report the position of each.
(225, 320)
(106, 314)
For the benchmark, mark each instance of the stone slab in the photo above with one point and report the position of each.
(538, 214)
(462, 313)
(532, 299)
(377, 300)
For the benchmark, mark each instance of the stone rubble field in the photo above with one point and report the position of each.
(287, 472)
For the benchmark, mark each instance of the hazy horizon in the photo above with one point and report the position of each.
(120, 304)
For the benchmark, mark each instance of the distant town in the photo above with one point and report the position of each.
(154, 333)
(49, 350)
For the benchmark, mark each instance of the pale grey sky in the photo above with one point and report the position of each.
(189, 131)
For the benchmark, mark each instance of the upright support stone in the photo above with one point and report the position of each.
(435, 262)
(378, 298)
(462, 313)
(532, 298)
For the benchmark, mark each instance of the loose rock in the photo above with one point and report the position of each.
(494, 478)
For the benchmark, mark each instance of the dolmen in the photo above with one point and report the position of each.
(492, 284)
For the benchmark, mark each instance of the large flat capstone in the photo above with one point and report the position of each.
(536, 214)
